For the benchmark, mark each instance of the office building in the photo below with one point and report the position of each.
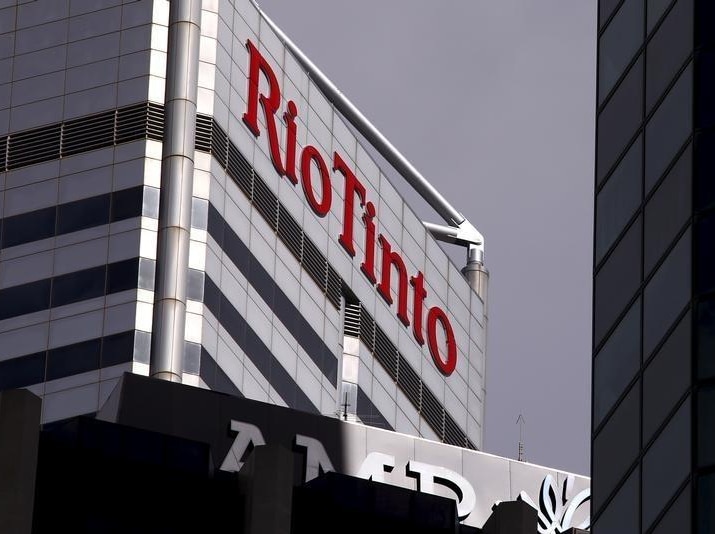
(653, 328)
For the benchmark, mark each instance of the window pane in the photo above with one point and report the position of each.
(73, 359)
(655, 11)
(615, 447)
(668, 50)
(667, 130)
(704, 170)
(619, 198)
(704, 88)
(80, 285)
(705, 254)
(667, 211)
(667, 377)
(22, 371)
(82, 214)
(677, 519)
(27, 227)
(706, 339)
(617, 281)
(666, 294)
(666, 464)
(617, 363)
(706, 428)
(618, 44)
(619, 120)
(621, 516)
(605, 8)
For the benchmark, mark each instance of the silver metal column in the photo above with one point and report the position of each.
(476, 273)
(177, 179)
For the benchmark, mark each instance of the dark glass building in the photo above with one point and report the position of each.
(653, 419)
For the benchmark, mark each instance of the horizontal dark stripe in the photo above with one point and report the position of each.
(254, 348)
(368, 412)
(294, 321)
(68, 288)
(66, 361)
(71, 216)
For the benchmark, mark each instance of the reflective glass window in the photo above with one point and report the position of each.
(619, 198)
(127, 203)
(619, 120)
(82, 214)
(666, 464)
(616, 363)
(73, 359)
(677, 519)
(669, 127)
(705, 329)
(80, 285)
(667, 377)
(705, 254)
(616, 446)
(655, 9)
(22, 371)
(668, 49)
(706, 428)
(27, 227)
(621, 515)
(118, 348)
(667, 211)
(666, 294)
(122, 275)
(617, 281)
(27, 298)
(618, 44)
(706, 510)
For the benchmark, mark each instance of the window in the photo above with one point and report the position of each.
(706, 339)
(80, 285)
(619, 120)
(618, 44)
(706, 510)
(27, 227)
(706, 429)
(677, 519)
(666, 294)
(655, 9)
(73, 359)
(621, 515)
(619, 198)
(617, 281)
(669, 127)
(705, 254)
(617, 363)
(82, 214)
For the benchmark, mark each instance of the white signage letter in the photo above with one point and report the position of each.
(375, 465)
(248, 435)
(316, 459)
(428, 475)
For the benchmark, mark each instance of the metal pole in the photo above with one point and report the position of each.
(177, 177)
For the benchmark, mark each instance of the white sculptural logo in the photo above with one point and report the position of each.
(556, 513)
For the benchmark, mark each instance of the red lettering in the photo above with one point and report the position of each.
(446, 367)
(390, 258)
(418, 283)
(291, 140)
(270, 104)
(368, 266)
(352, 187)
(310, 154)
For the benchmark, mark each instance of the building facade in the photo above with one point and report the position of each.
(653, 389)
(310, 283)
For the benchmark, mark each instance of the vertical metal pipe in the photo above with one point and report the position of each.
(177, 178)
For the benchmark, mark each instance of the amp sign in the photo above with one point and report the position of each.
(316, 179)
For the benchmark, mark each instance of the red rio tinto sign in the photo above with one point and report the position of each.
(311, 170)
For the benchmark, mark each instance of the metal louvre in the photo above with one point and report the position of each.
(34, 146)
(334, 287)
(386, 353)
(290, 233)
(155, 121)
(219, 145)
(204, 126)
(352, 319)
(265, 202)
(240, 170)
(132, 123)
(433, 412)
(3, 152)
(410, 383)
(452, 433)
(315, 264)
(367, 329)
(88, 133)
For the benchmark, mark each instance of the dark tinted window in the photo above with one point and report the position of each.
(619, 198)
(617, 280)
(666, 464)
(122, 275)
(677, 519)
(655, 10)
(668, 49)
(22, 371)
(705, 86)
(616, 447)
(118, 348)
(27, 227)
(27, 298)
(620, 119)
(667, 377)
(621, 515)
(706, 510)
(667, 211)
(618, 44)
(82, 214)
(669, 127)
(127, 203)
(605, 8)
(706, 428)
(617, 363)
(705, 254)
(705, 329)
(73, 359)
(704, 170)
(80, 285)
(666, 294)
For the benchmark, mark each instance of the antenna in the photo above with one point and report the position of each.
(345, 407)
(521, 422)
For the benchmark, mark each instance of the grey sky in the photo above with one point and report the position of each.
(493, 101)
